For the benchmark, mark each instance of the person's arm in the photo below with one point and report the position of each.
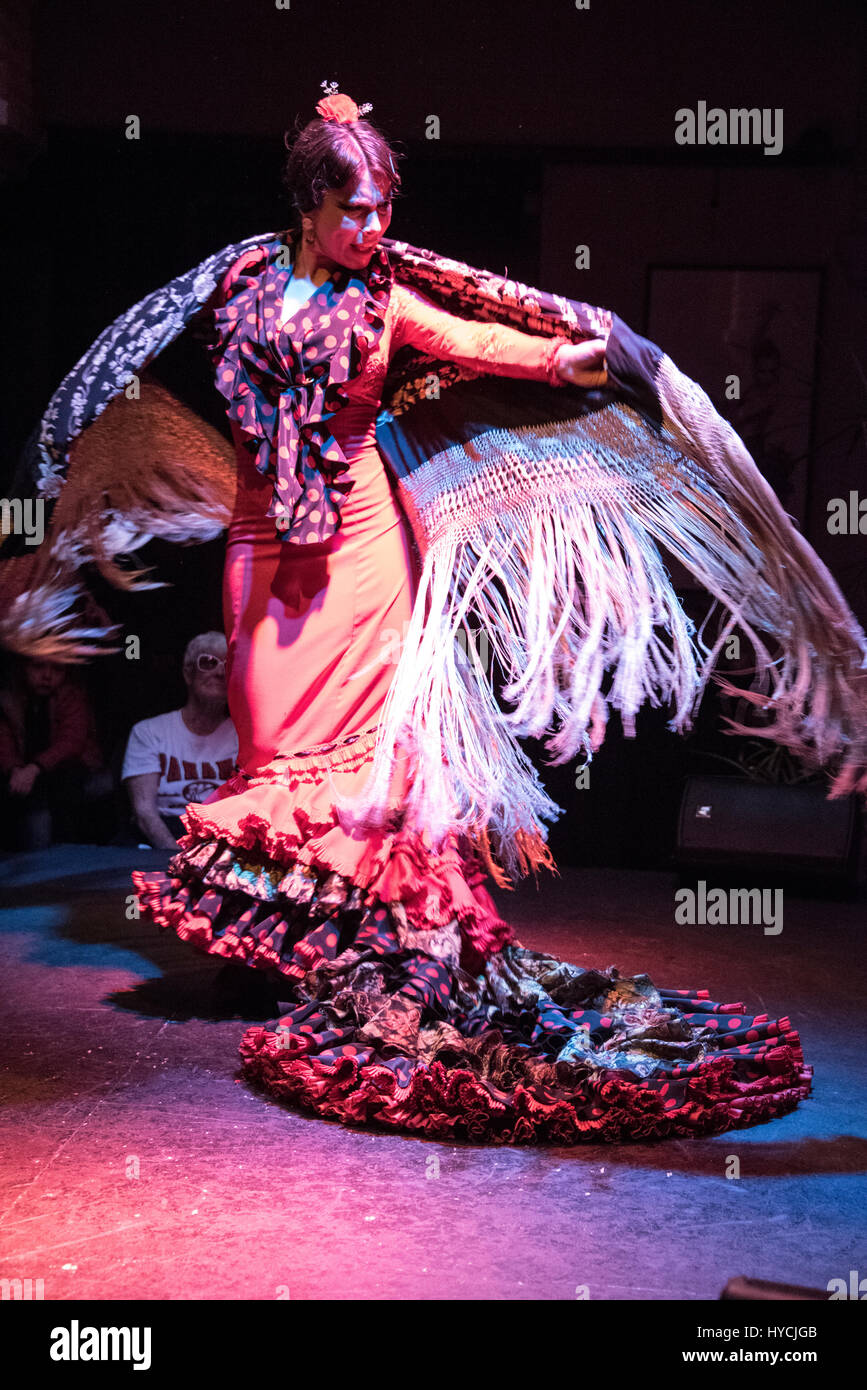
(10, 757)
(491, 347)
(70, 728)
(142, 791)
(142, 774)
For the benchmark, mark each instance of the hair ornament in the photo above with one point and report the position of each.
(337, 106)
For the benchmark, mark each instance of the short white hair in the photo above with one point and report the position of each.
(205, 642)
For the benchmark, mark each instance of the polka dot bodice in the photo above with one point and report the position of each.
(303, 389)
(285, 378)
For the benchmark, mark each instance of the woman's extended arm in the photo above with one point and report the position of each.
(494, 347)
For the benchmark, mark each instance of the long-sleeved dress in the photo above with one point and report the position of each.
(412, 1004)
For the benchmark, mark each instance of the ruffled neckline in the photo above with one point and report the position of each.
(284, 378)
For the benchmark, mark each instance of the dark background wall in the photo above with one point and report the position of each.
(556, 127)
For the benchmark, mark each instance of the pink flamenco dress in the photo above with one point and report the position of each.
(408, 1001)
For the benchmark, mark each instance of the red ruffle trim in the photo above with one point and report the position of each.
(455, 1103)
(285, 812)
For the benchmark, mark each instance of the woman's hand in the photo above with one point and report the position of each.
(583, 364)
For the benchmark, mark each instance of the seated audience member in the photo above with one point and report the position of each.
(51, 763)
(183, 755)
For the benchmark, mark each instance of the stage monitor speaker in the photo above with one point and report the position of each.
(728, 820)
(760, 1289)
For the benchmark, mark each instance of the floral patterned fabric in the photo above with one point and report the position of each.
(410, 1003)
(406, 1028)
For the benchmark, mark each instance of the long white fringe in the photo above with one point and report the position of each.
(816, 690)
(545, 538)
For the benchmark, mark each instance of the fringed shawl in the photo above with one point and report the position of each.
(538, 514)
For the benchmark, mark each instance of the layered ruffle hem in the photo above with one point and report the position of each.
(412, 1005)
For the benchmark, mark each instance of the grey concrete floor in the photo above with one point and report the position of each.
(135, 1163)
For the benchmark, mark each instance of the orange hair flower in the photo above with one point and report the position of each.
(338, 107)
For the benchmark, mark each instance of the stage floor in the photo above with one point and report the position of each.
(135, 1164)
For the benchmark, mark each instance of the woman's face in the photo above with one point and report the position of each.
(352, 221)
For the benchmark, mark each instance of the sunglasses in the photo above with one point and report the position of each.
(206, 662)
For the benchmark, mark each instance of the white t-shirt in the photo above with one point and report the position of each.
(191, 765)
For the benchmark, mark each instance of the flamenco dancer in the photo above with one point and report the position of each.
(378, 784)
